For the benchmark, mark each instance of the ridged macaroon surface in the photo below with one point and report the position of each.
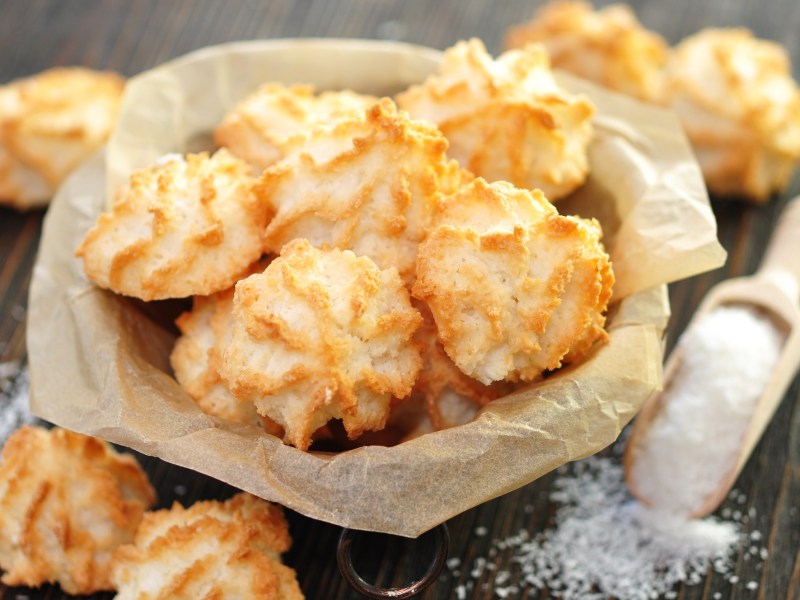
(608, 46)
(740, 108)
(66, 502)
(261, 126)
(211, 550)
(183, 227)
(49, 124)
(322, 334)
(369, 185)
(517, 290)
(196, 359)
(507, 119)
(450, 397)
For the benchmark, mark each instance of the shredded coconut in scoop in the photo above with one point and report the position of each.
(726, 360)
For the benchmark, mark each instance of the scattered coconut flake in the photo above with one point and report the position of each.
(502, 578)
(605, 539)
(14, 411)
(481, 531)
(605, 543)
(478, 567)
(508, 592)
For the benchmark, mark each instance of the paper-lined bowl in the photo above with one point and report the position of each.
(99, 363)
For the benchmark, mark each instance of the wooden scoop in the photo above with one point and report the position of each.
(775, 291)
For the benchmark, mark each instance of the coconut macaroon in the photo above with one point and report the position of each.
(49, 124)
(450, 397)
(66, 502)
(740, 108)
(507, 119)
(210, 550)
(368, 184)
(320, 335)
(197, 355)
(196, 359)
(183, 227)
(515, 288)
(261, 126)
(608, 46)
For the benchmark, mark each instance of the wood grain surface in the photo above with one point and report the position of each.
(130, 37)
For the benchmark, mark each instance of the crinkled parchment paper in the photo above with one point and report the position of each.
(99, 362)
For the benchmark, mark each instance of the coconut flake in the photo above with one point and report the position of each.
(605, 543)
(726, 360)
(14, 411)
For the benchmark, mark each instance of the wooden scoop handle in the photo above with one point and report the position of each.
(781, 263)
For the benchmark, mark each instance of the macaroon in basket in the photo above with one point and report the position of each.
(100, 362)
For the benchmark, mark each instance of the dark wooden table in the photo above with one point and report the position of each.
(133, 36)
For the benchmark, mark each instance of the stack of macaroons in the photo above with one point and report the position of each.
(734, 94)
(372, 261)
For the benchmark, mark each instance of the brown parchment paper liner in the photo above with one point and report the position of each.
(99, 363)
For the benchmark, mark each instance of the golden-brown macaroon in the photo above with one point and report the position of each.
(21, 186)
(515, 288)
(740, 108)
(507, 119)
(320, 335)
(259, 128)
(608, 46)
(210, 550)
(182, 227)
(66, 502)
(368, 184)
(450, 397)
(49, 124)
(197, 357)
